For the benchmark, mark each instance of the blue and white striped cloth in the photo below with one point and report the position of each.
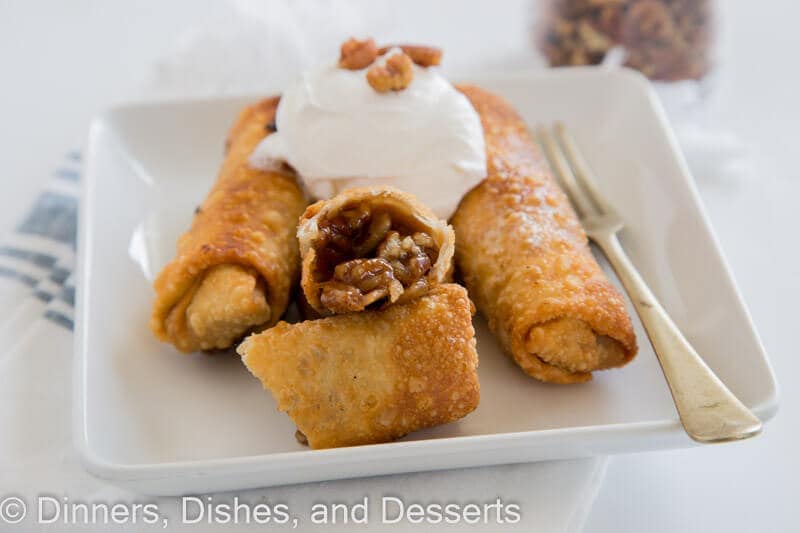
(37, 259)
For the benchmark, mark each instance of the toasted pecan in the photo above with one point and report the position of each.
(424, 56)
(395, 75)
(355, 54)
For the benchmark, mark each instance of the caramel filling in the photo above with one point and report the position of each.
(367, 258)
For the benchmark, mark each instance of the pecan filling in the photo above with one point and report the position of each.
(368, 259)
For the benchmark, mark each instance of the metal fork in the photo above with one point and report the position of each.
(708, 411)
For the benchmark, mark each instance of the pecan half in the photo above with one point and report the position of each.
(395, 75)
(424, 56)
(355, 54)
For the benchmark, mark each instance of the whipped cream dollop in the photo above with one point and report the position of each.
(337, 132)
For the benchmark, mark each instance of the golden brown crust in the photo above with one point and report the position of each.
(525, 258)
(248, 219)
(228, 302)
(402, 207)
(372, 377)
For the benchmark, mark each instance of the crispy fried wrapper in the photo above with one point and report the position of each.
(369, 247)
(526, 261)
(365, 378)
(235, 267)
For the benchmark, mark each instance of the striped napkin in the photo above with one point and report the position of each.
(37, 259)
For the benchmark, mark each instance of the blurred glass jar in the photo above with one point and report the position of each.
(667, 40)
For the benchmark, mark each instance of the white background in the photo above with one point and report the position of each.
(61, 62)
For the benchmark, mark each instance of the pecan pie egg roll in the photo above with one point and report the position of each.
(369, 247)
(525, 259)
(365, 378)
(234, 268)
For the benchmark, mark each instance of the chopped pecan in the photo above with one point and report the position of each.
(359, 283)
(424, 241)
(362, 260)
(424, 56)
(593, 40)
(408, 260)
(378, 228)
(355, 54)
(365, 274)
(648, 21)
(340, 297)
(417, 289)
(345, 228)
(608, 20)
(395, 75)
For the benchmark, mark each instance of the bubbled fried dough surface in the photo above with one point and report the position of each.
(228, 303)
(372, 377)
(526, 261)
(571, 344)
(248, 219)
(225, 303)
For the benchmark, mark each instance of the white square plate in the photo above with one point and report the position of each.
(156, 421)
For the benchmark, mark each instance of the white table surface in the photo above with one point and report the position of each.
(62, 62)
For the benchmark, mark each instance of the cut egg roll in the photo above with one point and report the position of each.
(369, 247)
(371, 377)
(526, 262)
(235, 267)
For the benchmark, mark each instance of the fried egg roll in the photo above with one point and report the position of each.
(365, 378)
(525, 259)
(235, 267)
(369, 247)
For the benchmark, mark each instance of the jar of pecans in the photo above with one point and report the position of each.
(667, 40)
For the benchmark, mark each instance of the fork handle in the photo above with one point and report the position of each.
(708, 410)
